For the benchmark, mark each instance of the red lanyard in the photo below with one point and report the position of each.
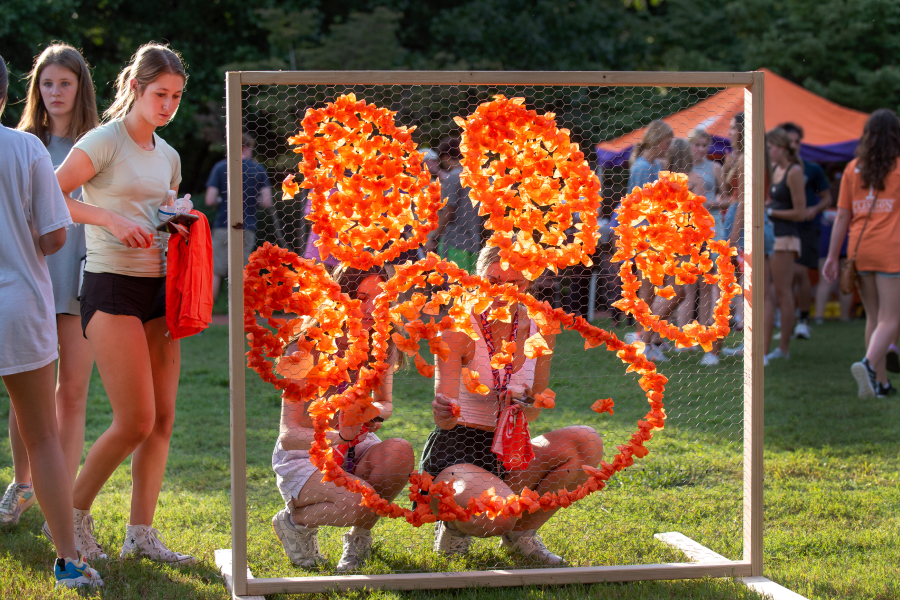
(499, 385)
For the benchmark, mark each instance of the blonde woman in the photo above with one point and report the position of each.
(126, 171)
(649, 154)
(647, 159)
(459, 448)
(60, 108)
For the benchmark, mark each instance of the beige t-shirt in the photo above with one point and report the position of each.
(131, 182)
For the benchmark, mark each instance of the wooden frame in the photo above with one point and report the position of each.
(751, 565)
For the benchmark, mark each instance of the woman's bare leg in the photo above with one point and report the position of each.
(76, 361)
(558, 459)
(783, 277)
(31, 393)
(21, 468)
(888, 326)
(123, 359)
(148, 465)
(385, 466)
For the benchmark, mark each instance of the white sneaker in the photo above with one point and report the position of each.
(733, 351)
(531, 546)
(631, 337)
(801, 331)
(143, 540)
(357, 545)
(709, 360)
(301, 544)
(84, 536)
(655, 354)
(18, 498)
(450, 541)
(865, 379)
(777, 353)
(765, 361)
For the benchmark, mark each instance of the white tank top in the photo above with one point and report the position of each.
(479, 410)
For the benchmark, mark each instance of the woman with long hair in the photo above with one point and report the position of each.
(786, 207)
(459, 448)
(60, 108)
(385, 465)
(647, 158)
(126, 172)
(33, 225)
(711, 173)
(868, 205)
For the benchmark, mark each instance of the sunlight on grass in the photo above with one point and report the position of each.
(832, 493)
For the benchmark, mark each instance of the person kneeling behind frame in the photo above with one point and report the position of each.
(385, 465)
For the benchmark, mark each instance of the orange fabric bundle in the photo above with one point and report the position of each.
(189, 274)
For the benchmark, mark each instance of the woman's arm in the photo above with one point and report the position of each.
(52, 241)
(798, 197)
(382, 399)
(77, 170)
(296, 432)
(839, 230)
(446, 379)
(541, 378)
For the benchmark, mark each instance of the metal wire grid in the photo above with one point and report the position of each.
(702, 444)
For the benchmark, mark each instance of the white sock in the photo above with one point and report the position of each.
(357, 530)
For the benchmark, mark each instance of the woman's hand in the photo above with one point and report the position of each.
(442, 408)
(830, 269)
(128, 232)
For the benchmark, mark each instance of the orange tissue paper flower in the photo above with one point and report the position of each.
(536, 346)
(545, 399)
(602, 406)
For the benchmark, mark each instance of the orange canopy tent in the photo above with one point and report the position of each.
(832, 131)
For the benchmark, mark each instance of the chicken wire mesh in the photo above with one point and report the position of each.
(698, 454)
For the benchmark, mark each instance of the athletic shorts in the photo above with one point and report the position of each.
(788, 243)
(114, 294)
(293, 467)
(220, 249)
(809, 246)
(460, 445)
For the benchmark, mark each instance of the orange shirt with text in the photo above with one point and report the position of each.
(879, 249)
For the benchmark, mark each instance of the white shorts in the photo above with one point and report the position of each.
(293, 467)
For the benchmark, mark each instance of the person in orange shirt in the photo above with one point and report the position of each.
(868, 204)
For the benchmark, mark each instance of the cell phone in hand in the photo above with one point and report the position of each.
(185, 219)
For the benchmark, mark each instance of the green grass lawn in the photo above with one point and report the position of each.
(832, 494)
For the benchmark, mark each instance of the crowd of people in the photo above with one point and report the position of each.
(105, 283)
(85, 268)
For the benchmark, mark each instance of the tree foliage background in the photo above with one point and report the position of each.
(841, 49)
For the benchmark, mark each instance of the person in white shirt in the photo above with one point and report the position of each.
(33, 220)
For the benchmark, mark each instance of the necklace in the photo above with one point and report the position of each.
(146, 147)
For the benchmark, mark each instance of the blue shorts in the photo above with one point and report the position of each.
(728, 223)
(881, 274)
(768, 237)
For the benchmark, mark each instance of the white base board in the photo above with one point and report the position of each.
(699, 553)
(223, 561)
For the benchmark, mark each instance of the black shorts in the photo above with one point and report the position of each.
(460, 445)
(141, 297)
(809, 246)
